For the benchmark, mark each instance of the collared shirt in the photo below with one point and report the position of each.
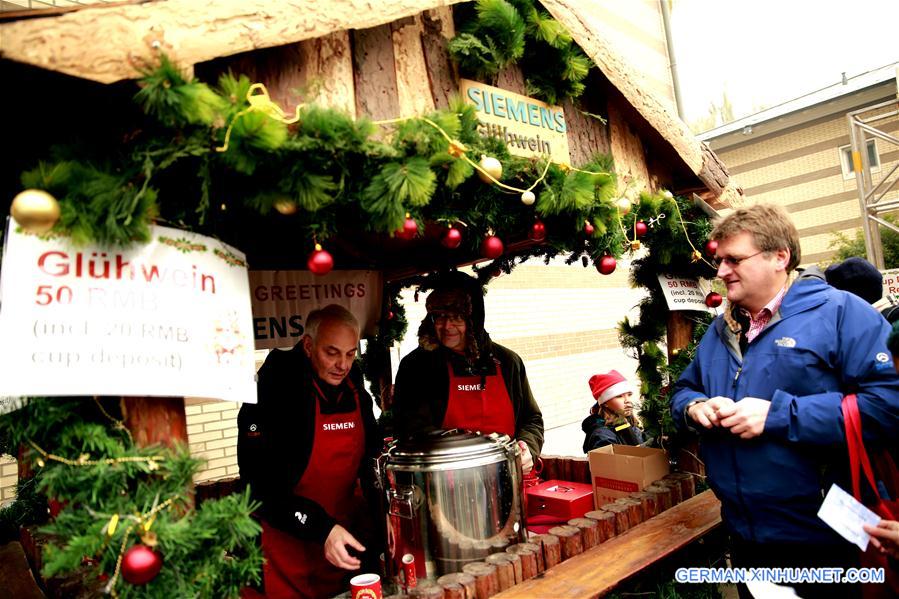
(758, 322)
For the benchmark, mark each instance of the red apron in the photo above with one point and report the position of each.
(487, 409)
(295, 568)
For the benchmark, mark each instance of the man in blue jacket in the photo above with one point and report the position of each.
(765, 389)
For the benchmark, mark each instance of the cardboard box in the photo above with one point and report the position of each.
(619, 470)
(559, 500)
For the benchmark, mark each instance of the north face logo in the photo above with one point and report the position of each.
(785, 342)
(300, 516)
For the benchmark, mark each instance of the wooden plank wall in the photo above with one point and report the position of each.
(402, 69)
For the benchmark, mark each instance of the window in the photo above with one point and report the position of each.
(846, 159)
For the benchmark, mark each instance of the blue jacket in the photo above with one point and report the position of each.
(821, 344)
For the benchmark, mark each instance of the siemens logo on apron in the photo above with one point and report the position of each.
(338, 426)
(468, 387)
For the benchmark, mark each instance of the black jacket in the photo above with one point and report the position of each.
(421, 393)
(275, 439)
(599, 433)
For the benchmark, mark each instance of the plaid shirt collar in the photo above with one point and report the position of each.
(758, 322)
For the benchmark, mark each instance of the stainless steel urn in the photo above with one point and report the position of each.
(453, 497)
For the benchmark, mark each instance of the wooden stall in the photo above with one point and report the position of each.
(378, 59)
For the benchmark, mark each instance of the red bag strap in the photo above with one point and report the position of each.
(857, 454)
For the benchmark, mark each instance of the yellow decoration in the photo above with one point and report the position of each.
(149, 539)
(635, 245)
(113, 524)
(286, 207)
(35, 210)
(263, 103)
(696, 256)
(624, 206)
(456, 149)
(490, 169)
(260, 102)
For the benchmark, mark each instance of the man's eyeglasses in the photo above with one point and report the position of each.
(731, 261)
(447, 318)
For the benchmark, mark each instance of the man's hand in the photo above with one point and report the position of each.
(885, 536)
(706, 413)
(745, 417)
(335, 548)
(527, 460)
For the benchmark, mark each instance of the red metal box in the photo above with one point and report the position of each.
(559, 499)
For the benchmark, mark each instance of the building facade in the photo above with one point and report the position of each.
(798, 155)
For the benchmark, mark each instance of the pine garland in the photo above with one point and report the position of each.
(498, 33)
(671, 242)
(210, 551)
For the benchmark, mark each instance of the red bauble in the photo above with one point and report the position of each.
(588, 228)
(409, 230)
(452, 238)
(711, 247)
(140, 564)
(320, 262)
(492, 247)
(538, 231)
(713, 300)
(606, 265)
(640, 228)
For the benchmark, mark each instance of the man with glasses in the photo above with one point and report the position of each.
(765, 389)
(459, 378)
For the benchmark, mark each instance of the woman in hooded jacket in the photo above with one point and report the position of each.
(459, 378)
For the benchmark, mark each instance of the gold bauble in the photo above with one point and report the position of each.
(35, 210)
(624, 206)
(285, 207)
(492, 166)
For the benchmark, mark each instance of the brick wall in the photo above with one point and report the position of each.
(800, 169)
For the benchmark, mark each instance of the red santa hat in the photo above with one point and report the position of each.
(606, 386)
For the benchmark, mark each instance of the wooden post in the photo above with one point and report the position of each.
(155, 420)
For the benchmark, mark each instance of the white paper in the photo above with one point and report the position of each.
(845, 515)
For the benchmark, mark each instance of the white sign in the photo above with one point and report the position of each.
(282, 299)
(167, 318)
(891, 284)
(684, 294)
(844, 514)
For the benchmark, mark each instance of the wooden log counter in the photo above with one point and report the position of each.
(597, 571)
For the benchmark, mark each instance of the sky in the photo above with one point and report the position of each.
(764, 52)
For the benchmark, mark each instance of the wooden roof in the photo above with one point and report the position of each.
(193, 32)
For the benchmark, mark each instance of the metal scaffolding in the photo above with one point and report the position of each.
(870, 194)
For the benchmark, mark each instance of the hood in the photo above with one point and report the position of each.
(457, 292)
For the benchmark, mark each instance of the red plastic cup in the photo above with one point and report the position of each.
(365, 586)
(409, 571)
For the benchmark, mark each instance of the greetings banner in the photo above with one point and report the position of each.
(167, 318)
(282, 299)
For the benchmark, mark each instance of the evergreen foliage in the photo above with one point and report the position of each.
(498, 33)
(210, 551)
(671, 253)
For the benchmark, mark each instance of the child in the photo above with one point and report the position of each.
(611, 417)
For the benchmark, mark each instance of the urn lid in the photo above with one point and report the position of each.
(453, 448)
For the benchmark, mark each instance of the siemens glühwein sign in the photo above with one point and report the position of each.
(528, 126)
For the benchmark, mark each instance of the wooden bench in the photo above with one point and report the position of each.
(599, 570)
